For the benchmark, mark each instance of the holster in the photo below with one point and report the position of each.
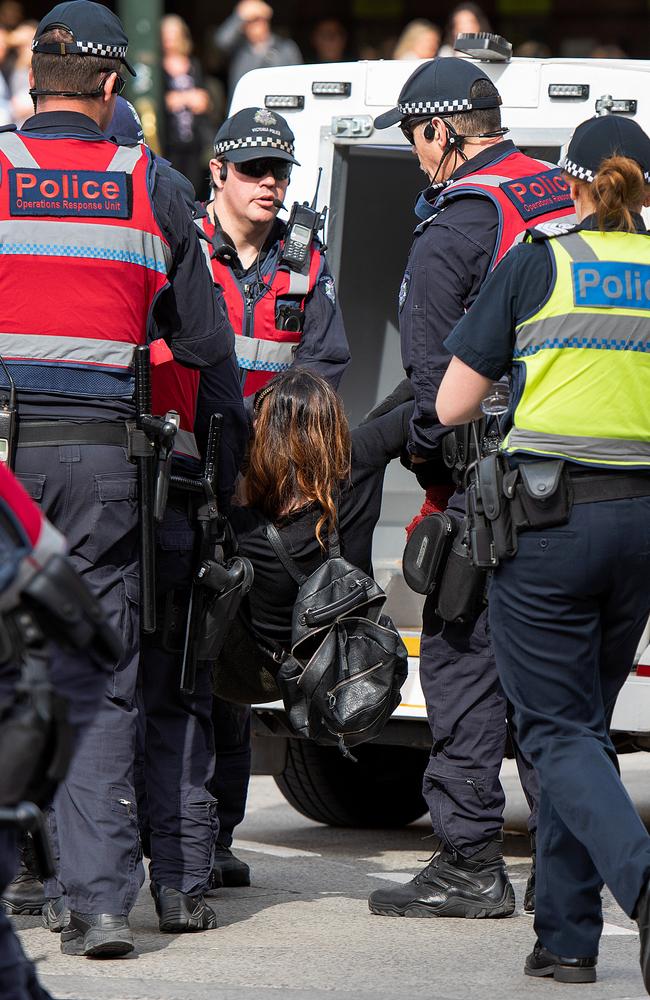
(492, 472)
(461, 594)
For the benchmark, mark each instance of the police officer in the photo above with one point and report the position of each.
(99, 256)
(570, 317)
(282, 316)
(483, 194)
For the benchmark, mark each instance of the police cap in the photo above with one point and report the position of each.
(439, 87)
(254, 133)
(96, 31)
(125, 123)
(599, 138)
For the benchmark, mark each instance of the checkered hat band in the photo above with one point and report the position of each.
(584, 174)
(250, 142)
(95, 49)
(435, 107)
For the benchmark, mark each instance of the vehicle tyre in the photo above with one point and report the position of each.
(383, 790)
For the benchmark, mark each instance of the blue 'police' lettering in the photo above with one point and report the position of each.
(615, 284)
(98, 194)
(547, 191)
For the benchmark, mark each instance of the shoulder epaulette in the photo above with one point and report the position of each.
(549, 230)
(9, 128)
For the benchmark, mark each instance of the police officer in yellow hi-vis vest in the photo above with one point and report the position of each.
(568, 315)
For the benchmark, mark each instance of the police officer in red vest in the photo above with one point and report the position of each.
(482, 196)
(281, 315)
(99, 256)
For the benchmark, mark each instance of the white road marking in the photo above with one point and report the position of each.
(615, 931)
(392, 876)
(276, 852)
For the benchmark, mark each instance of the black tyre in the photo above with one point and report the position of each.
(382, 790)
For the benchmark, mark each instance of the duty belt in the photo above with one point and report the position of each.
(589, 488)
(53, 432)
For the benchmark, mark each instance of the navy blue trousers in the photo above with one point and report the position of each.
(89, 493)
(177, 811)
(232, 743)
(17, 974)
(469, 718)
(567, 614)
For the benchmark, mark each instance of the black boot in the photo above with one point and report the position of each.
(24, 896)
(55, 914)
(180, 913)
(642, 917)
(529, 895)
(452, 886)
(97, 935)
(228, 870)
(542, 962)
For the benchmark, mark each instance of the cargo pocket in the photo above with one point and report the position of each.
(33, 484)
(125, 673)
(113, 519)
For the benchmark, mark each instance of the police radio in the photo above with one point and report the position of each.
(305, 221)
(8, 420)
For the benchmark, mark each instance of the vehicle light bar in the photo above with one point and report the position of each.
(331, 88)
(608, 105)
(296, 101)
(485, 46)
(567, 91)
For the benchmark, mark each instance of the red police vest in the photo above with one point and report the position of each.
(525, 191)
(175, 387)
(82, 260)
(262, 349)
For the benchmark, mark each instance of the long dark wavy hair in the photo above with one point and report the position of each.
(301, 448)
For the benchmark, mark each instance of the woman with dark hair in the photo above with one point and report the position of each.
(465, 18)
(308, 472)
(568, 314)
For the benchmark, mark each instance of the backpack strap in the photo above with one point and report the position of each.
(279, 548)
(333, 543)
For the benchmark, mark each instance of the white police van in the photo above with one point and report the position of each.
(370, 181)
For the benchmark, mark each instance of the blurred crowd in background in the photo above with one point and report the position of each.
(200, 75)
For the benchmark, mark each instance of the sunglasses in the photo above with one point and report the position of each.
(409, 125)
(281, 169)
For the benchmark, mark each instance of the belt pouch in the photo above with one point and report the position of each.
(491, 472)
(462, 587)
(426, 552)
(545, 494)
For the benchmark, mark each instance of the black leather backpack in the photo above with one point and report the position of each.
(341, 681)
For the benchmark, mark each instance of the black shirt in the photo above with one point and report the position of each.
(186, 314)
(271, 600)
(448, 262)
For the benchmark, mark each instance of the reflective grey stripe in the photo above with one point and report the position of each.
(80, 350)
(577, 248)
(586, 449)
(205, 241)
(59, 238)
(16, 151)
(185, 444)
(298, 283)
(263, 355)
(125, 159)
(489, 180)
(596, 330)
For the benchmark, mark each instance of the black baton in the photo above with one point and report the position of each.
(145, 466)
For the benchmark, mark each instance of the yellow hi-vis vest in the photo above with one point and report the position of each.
(586, 355)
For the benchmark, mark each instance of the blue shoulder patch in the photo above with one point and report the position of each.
(538, 194)
(98, 194)
(611, 284)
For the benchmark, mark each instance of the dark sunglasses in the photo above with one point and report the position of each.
(408, 126)
(281, 169)
(118, 87)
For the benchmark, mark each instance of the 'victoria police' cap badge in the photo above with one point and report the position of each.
(264, 117)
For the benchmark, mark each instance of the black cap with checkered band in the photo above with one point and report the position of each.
(439, 87)
(599, 138)
(96, 31)
(255, 133)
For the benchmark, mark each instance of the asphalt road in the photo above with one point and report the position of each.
(303, 930)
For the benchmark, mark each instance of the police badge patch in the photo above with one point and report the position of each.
(404, 290)
(264, 117)
(328, 288)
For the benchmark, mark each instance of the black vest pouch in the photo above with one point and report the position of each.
(544, 494)
(461, 594)
(492, 473)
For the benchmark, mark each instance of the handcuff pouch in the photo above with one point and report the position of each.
(543, 495)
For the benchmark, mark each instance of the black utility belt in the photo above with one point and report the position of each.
(504, 501)
(53, 432)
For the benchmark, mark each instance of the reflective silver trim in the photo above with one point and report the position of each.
(623, 332)
(59, 238)
(582, 449)
(125, 159)
(577, 247)
(78, 350)
(489, 180)
(263, 355)
(185, 444)
(298, 283)
(16, 151)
